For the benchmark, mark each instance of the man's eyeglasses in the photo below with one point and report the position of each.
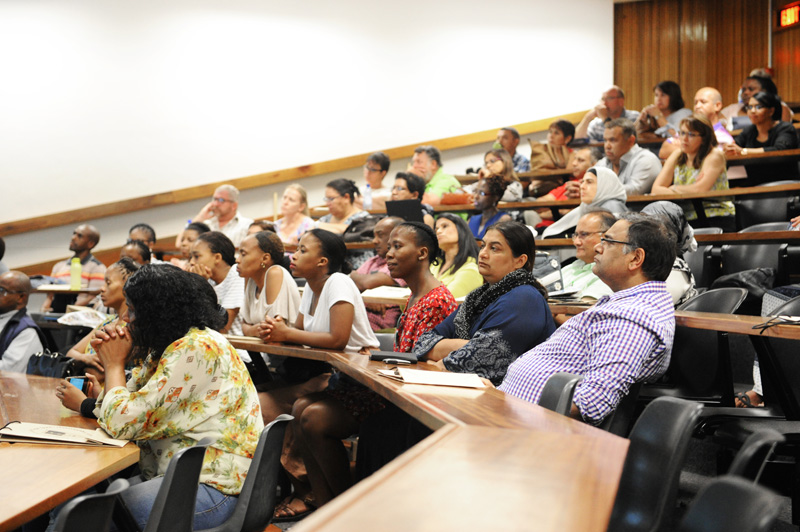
(368, 168)
(6, 291)
(220, 200)
(756, 107)
(607, 241)
(398, 189)
(583, 235)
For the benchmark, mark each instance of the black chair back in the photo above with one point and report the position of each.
(766, 208)
(90, 513)
(751, 458)
(558, 391)
(173, 509)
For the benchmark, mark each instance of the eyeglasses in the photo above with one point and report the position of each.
(757, 107)
(368, 168)
(688, 134)
(398, 189)
(607, 241)
(606, 98)
(6, 291)
(582, 235)
(492, 161)
(326, 199)
(221, 200)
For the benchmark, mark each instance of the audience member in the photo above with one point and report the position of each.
(137, 251)
(459, 269)
(427, 163)
(736, 113)
(600, 189)
(665, 113)
(340, 197)
(214, 259)
(323, 420)
(508, 140)
(707, 102)
(680, 283)
(3, 267)
(578, 275)
(552, 154)
(145, 233)
(487, 194)
(295, 219)
(260, 225)
(222, 214)
(624, 338)
(488, 331)
(187, 239)
(409, 186)
(611, 107)
(84, 238)
(112, 297)
(582, 160)
(375, 170)
(375, 273)
(697, 167)
(498, 162)
(767, 133)
(19, 335)
(636, 167)
(173, 317)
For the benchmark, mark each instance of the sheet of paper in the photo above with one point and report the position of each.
(19, 431)
(436, 378)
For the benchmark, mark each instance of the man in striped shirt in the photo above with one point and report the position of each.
(625, 338)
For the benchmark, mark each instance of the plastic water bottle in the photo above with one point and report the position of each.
(75, 274)
(367, 198)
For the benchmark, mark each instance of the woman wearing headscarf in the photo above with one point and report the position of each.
(600, 189)
(680, 282)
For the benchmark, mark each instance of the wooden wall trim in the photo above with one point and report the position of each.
(259, 180)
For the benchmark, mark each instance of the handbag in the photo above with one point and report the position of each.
(361, 230)
(56, 365)
(547, 271)
(544, 155)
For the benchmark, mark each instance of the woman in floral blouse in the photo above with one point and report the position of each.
(192, 385)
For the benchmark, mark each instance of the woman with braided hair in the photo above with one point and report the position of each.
(487, 194)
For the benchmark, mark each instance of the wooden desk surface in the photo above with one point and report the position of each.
(63, 289)
(37, 478)
(485, 478)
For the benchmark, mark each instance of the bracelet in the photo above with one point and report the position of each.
(744, 151)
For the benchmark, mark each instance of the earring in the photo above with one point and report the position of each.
(263, 265)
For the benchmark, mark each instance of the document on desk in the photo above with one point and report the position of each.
(22, 432)
(436, 378)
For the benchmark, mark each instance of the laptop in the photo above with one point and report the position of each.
(409, 210)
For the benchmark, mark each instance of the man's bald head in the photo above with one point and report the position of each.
(84, 238)
(382, 231)
(708, 102)
(17, 288)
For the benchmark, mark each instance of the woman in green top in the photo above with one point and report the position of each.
(698, 167)
(459, 269)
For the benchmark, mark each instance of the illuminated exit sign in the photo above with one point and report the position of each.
(788, 16)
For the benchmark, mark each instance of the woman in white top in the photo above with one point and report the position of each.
(213, 257)
(294, 211)
(269, 288)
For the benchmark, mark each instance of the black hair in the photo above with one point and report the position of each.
(271, 244)
(424, 236)
(656, 239)
(520, 242)
(345, 186)
(566, 127)
(766, 83)
(151, 233)
(126, 266)
(467, 247)
(198, 227)
(772, 101)
(2, 248)
(673, 90)
(381, 159)
(333, 249)
(432, 152)
(218, 242)
(166, 302)
(414, 183)
(264, 225)
(497, 186)
(141, 247)
(512, 130)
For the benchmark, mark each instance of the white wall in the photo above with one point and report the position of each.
(103, 101)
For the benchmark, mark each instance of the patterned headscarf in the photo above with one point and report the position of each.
(676, 217)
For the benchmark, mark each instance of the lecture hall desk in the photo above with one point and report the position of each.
(495, 462)
(37, 478)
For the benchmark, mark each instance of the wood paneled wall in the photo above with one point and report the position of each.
(786, 61)
(695, 43)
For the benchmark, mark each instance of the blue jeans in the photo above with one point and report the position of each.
(212, 508)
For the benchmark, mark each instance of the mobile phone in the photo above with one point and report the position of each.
(81, 383)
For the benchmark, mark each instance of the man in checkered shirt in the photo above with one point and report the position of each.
(625, 338)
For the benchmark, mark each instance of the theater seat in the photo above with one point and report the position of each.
(778, 207)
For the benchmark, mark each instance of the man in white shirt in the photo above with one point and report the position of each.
(375, 169)
(19, 335)
(222, 214)
(636, 167)
(611, 107)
